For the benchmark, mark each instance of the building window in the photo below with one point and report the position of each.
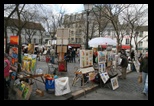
(140, 44)
(72, 33)
(40, 41)
(34, 40)
(127, 41)
(127, 32)
(141, 34)
(109, 32)
(72, 39)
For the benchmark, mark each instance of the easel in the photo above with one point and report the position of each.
(61, 55)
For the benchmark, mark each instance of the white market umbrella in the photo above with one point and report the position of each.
(101, 41)
(69, 47)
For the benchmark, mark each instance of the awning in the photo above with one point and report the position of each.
(125, 47)
(74, 45)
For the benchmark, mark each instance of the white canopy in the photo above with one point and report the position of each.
(101, 41)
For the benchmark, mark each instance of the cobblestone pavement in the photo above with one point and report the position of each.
(129, 89)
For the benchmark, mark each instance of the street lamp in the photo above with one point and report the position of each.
(87, 7)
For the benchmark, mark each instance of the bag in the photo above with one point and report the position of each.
(49, 84)
(62, 86)
(139, 79)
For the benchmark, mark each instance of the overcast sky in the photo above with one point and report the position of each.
(69, 8)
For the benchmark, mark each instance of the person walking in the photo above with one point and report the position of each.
(124, 65)
(73, 55)
(144, 73)
(132, 55)
(52, 52)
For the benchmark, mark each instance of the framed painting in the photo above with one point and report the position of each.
(114, 83)
(104, 76)
(101, 56)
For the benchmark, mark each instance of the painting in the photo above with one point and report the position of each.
(31, 48)
(14, 54)
(114, 83)
(101, 56)
(102, 67)
(86, 58)
(104, 76)
(92, 76)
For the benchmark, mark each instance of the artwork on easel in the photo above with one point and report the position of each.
(104, 76)
(114, 83)
(14, 54)
(101, 56)
(86, 58)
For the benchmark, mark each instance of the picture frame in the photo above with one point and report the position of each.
(114, 83)
(101, 56)
(104, 76)
(102, 67)
(86, 58)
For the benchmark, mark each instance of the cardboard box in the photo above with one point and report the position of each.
(39, 92)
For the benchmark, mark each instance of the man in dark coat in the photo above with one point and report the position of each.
(144, 73)
(124, 65)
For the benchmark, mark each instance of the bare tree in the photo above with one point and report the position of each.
(29, 32)
(10, 13)
(134, 17)
(98, 14)
(19, 30)
(112, 13)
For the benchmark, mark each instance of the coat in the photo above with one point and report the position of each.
(144, 65)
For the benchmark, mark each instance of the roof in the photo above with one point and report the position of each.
(143, 28)
(28, 25)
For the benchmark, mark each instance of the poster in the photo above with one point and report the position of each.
(62, 41)
(101, 56)
(86, 58)
(62, 48)
(31, 48)
(104, 76)
(102, 67)
(114, 83)
(63, 33)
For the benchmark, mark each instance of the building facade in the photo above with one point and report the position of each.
(31, 31)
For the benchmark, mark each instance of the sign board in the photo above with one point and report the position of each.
(87, 70)
(62, 41)
(63, 33)
(14, 40)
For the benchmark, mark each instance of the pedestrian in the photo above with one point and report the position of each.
(132, 55)
(140, 57)
(52, 52)
(73, 55)
(124, 65)
(144, 73)
(6, 76)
